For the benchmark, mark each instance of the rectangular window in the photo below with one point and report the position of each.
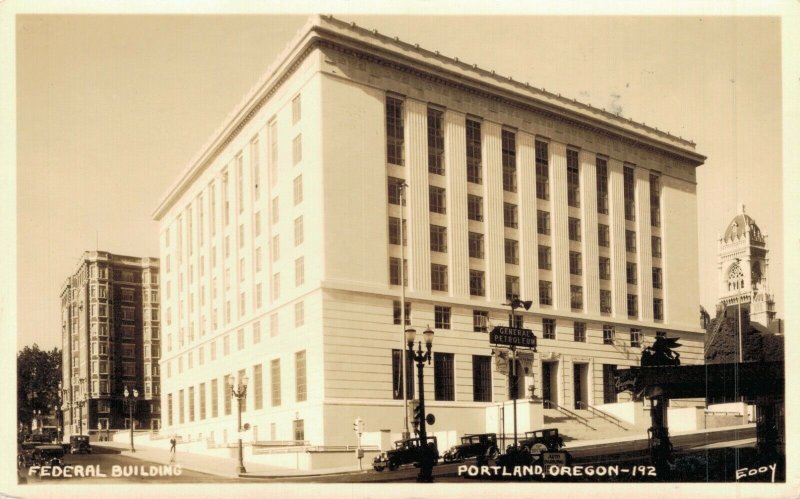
(573, 179)
(658, 309)
(633, 306)
(477, 283)
(299, 314)
(630, 272)
(542, 170)
(276, 206)
(254, 172)
(655, 201)
(474, 173)
(602, 185)
(605, 268)
(603, 235)
(394, 131)
(441, 317)
(258, 263)
(545, 292)
(574, 229)
(475, 245)
(608, 334)
(226, 345)
(258, 390)
(636, 338)
(298, 189)
(512, 251)
(435, 141)
(543, 222)
(298, 231)
(443, 375)
(296, 109)
(299, 271)
(576, 297)
(297, 149)
(575, 264)
(226, 394)
(243, 403)
(180, 406)
(480, 321)
(240, 339)
(439, 238)
(395, 271)
(439, 277)
(512, 287)
(191, 404)
(630, 241)
(438, 201)
(397, 375)
(396, 312)
(169, 409)
(549, 329)
(481, 378)
(545, 258)
(395, 186)
(605, 301)
(629, 194)
(276, 247)
(579, 332)
(275, 374)
(395, 231)
(239, 192)
(300, 375)
(272, 137)
(510, 215)
(657, 282)
(273, 325)
(656, 244)
(508, 142)
(276, 286)
(475, 207)
(214, 398)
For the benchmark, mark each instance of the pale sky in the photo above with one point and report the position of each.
(111, 108)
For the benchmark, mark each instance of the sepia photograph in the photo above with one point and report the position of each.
(329, 252)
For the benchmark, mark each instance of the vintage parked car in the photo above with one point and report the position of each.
(48, 455)
(79, 444)
(405, 452)
(25, 454)
(538, 441)
(482, 446)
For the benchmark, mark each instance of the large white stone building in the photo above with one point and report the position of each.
(280, 243)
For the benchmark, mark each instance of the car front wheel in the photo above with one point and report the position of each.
(493, 453)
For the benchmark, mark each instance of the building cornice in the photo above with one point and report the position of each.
(383, 50)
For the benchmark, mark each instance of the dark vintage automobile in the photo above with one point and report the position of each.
(48, 455)
(405, 452)
(482, 446)
(25, 454)
(78, 444)
(538, 441)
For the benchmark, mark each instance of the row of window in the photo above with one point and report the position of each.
(480, 323)
(299, 321)
(395, 139)
(255, 389)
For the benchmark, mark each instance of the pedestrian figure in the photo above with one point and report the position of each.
(172, 443)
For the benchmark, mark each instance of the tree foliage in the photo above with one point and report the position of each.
(38, 374)
(723, 344)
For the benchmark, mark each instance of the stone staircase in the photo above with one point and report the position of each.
(587, 424)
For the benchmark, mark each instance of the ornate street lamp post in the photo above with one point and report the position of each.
(238, 391)
(515, 303)
(60, 411)
(420, 357)
(131, 400)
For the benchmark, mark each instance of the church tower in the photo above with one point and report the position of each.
(742, 264)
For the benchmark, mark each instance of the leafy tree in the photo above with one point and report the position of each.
(38, 374)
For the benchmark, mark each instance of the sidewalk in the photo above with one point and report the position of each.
(220, 466)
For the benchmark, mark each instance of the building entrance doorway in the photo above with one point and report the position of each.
(550, 383)
(581, 384)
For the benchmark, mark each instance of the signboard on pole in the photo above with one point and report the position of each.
(512, 336)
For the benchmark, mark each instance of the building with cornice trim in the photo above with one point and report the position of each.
(280, 245)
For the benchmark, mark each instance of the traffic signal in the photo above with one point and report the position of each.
(418, 415)
(357, 425)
